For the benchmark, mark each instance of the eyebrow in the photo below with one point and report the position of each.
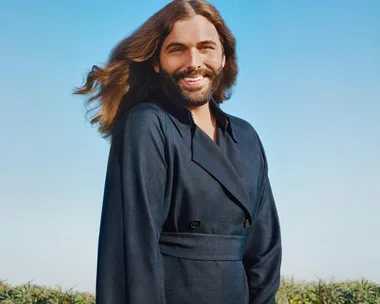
(179, 44)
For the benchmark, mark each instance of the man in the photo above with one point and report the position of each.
(188, 213)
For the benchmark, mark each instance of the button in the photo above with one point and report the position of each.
(247, 223)
(195, 224)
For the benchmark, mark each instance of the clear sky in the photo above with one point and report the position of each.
(309, 82)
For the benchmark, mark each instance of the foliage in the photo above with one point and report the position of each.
(321, 292)
(290, 292)
(34, 294)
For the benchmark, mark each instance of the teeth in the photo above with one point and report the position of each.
(194, 79)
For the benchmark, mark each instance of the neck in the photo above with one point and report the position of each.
(202, 115)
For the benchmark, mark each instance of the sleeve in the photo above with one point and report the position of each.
(129, 266)
(263, 255)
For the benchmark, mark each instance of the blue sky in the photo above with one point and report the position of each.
(309, 82)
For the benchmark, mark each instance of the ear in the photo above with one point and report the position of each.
(223, 61)
(156, 66)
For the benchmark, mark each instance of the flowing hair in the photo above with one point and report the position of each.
(128, 77)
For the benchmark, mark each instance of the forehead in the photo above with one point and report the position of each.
(192, 30)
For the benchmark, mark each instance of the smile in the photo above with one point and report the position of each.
(193, 81)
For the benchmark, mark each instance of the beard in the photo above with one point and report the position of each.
(190, 97)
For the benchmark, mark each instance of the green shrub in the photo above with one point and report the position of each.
(321, 292)
(290, 292)
(34, 294)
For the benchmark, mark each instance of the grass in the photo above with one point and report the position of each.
(322, 292)
(290, 292)
(34, 294)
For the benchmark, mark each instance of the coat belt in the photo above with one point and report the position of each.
(197, 246)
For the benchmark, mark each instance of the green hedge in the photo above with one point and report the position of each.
(322, 292)
(291, 292)
(34, 294)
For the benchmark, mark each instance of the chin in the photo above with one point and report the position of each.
(195, 102)
(197, 98)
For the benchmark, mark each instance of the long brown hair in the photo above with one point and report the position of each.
(128, 77)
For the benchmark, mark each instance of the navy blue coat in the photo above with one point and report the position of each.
(186, 220)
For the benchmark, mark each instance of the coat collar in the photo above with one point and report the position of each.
(209, 156)
(182, 117)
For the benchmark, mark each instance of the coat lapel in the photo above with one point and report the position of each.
(209, 156)
(206, 153)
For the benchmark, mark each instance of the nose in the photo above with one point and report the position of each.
(194, 59)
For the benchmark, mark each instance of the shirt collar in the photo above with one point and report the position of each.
(183, 119)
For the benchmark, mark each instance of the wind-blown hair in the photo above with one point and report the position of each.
(128, 77)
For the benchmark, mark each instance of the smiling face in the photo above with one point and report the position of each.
(191, 61)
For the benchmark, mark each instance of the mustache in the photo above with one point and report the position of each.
(193, 72)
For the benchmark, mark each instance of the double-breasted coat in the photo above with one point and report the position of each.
(186, 220)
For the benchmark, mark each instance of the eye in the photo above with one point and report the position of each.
(207, 47)
(175, 50)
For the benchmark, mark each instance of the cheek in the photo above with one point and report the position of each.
(215, 62)
(171, 64)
